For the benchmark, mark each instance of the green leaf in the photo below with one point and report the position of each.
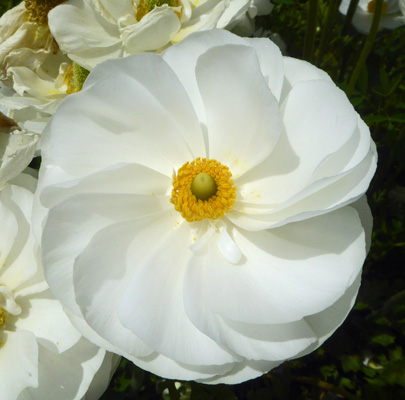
(394, 83)
(384, 79)
(361, 306)
(398, 118)
(375, 118)
(351, 363)
(383, 339)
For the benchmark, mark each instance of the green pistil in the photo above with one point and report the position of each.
(80, 75)
(151, 4)
(203, 186)
(146, 6)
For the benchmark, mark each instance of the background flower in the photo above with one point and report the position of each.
(23, 42)
(213, 300)
(42, 356)
(98, 30)
(393, 14)
(35, 76)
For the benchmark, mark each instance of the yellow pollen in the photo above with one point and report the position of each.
(38, 9)
(203, 189)
(371, 7)
(74, 78)
(69, 80)
(2, 317)
(146, 6)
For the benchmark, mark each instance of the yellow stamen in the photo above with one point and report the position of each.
(74, 78)
(212, 198)
(38, 9)
(371, 7)
(2, 317)
(68, 77)
(146, 6)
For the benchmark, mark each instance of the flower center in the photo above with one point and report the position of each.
(371, 7)
(146, 6)
(38, 9)
(203, 189)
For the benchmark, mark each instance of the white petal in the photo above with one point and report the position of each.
(18, 363)
(170, 369)
(243, 372)
(164, 85)
(243, 118)
(271, 342)
(101, 276)
(116, 9)
(18, 150)
(18, 250)
(235, 10)
(318, 120)
(143, 126)
(202, 19)
(88, 38)
(118, 179)
(296, 71)
(183, 60)
(9, 229)
(227, 246)
(152, 32)
(271, 63)
(66, 375)
(288, 272)
(47, 321)
(327, 321)
(152, 304)
(71, 225)
(318, 198)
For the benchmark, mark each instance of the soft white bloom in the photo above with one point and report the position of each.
(17, 149)
(92, 31)
(36, 95)
(22, 41)
(393, 14)
(38, 75)
(269, 265)
(42, 356)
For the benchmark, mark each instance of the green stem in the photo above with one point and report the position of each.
(367, 47)
(309, 44)
(327, 28)
(349, 16)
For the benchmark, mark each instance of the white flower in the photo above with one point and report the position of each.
(17, 149)
(32, 65)
(92, 31)
(215, 300)
(42, 356)
(37, 94)
(23, 42)
(393, 14)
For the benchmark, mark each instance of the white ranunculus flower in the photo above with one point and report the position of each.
(204, 210)
(393, 14)
(37, 94)
(92, 31)
(23, 40)
(42, 356)
(35, 76)
(17, 149)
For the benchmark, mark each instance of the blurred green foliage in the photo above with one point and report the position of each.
(364, 359)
